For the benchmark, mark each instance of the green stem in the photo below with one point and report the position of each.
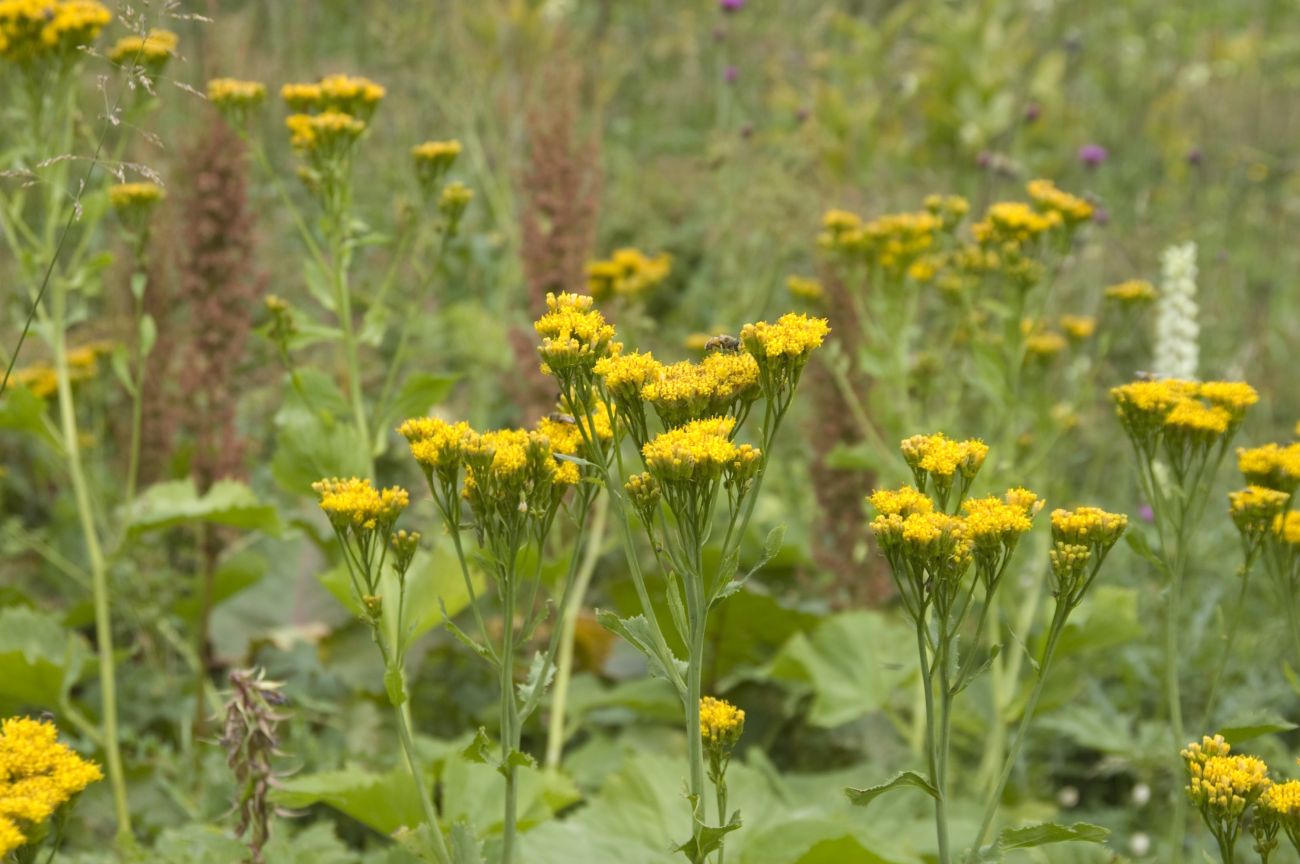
(438, 844)
(509, 726)
(694, 674)
(98, 571)
(940, 805)
(555, 734)
(991, 807)
(1233, 627)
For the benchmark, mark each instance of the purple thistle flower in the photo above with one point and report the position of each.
(730, 74)
(1195, 156)
(1092, 155)
(1146, 514)
(1100, 216)
(1032, 112)
(731, 5)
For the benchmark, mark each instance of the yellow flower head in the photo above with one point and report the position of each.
(302, 98)
(903, 501)
(344, 94)
(1282, 799)
(1072, 209)
(453, 201)
(721, 723)
(1088, 526)
(782, 350)
(356, 505)
(1226, 785)
(1042, 347)
(35, 30)
(1272, 465)
(1134, 292)
(328, 134)
(1013, 224)
(1078, 328)
(940, 459)
(565, 439)
(697, 452)
(1254, 509)
(1287, 527)
(625, 375)
(433, 159)
(994, 525)
(627, 273)
(719, 384)
(234, 97)
(574, 335)
(437, 445)
(152, 50)
(38, 775)
(138, 197)
(805, 288)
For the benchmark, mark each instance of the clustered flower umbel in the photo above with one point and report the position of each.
(1185, 421)
(33, 31)
(1177, 347)
(1233, 792)
(628, 273)
(721, 725)
(38, 775)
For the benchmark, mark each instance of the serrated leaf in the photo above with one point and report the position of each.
(515, 759)
(39, 659)
(480, 749)
(418, 841)
(465, 848)
(540, 674)
(228, 502)
(636, 630)
(1050, 832)
(863, 797)
(707, 839)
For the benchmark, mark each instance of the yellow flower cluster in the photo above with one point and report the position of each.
(891, 242)
(939, 458)
(356, 505)
(454, 199)
(1282, 799)
(995, 524)
(1225, 785)
(510, 472)
(232, 94)
(327, 134)
(699, 452)
(805, 288)
(720, 384)
(341, 93)
(135, 196)
(1185, 414)
(1088, 526)
(574, 334)
(433, 159)
(437, 445)
(627, 273)
(1079, 327)
(721, 723)
(902, 502)
(1050, 199)
(624, 375)
(1134, 292)
(1015, 223)
(1272, 465)
(1043, 346)
(83, 364)
(33, 30)
(793, 336)
(951, 209)
(152, 50)
(1255, 508)
(1287, 527)
(38, 775)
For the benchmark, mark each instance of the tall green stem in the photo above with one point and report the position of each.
(555, 734)
(1233, 627)
(509, 725)
(1022, 732)
(98, 570)
(927, 685)
(426, 803)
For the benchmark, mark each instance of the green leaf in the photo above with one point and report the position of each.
(313, 845)
(24, 411)
(148, 335)
(236, 574)
(636, 630)
(197, 844)
(39, 660)
(1255, 725)
(863, 797)
(540, 674)
(1137, 541)
(419, 393)
(707, 839)
(228, 502)
(516, 759)
(851, 665)
(465, 848)
(384, 802)
(1050, 832)
(480, 749)
(418, 841)
(395, 685)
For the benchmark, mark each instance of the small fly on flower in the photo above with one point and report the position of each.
(561, 417)
(722, 343)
